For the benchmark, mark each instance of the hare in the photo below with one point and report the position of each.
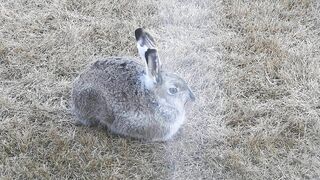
(130, 99)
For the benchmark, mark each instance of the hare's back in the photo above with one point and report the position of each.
(116, 65)
(115, 77)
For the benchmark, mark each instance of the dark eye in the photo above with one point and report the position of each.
(173, 90)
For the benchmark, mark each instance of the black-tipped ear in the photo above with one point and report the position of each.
(153, 64)
(144, 39)
(144, 42)
(138, 33)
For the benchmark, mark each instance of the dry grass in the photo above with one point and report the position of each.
(254, 66)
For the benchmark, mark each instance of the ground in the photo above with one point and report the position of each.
(253, 66)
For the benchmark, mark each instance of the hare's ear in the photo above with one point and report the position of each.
(144, 38)
(144, 42)
(153, 66)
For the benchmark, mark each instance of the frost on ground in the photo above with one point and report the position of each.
(253, 65)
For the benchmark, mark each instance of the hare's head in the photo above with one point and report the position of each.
(169, 87)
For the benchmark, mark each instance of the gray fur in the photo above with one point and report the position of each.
(112, 92)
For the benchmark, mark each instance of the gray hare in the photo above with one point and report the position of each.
(146, 103)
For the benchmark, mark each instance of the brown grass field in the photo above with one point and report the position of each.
(253, 65)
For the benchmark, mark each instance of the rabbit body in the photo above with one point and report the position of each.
(131, 100)
(112, 92)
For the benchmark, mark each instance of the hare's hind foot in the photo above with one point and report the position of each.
(84, 122)
(86, 106)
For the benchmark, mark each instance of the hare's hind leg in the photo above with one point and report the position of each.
(86, 122)
(86, 106)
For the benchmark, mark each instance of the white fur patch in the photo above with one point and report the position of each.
(142, 50)
(147, 81)
(175, 126)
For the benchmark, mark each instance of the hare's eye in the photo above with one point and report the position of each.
(173, 90)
